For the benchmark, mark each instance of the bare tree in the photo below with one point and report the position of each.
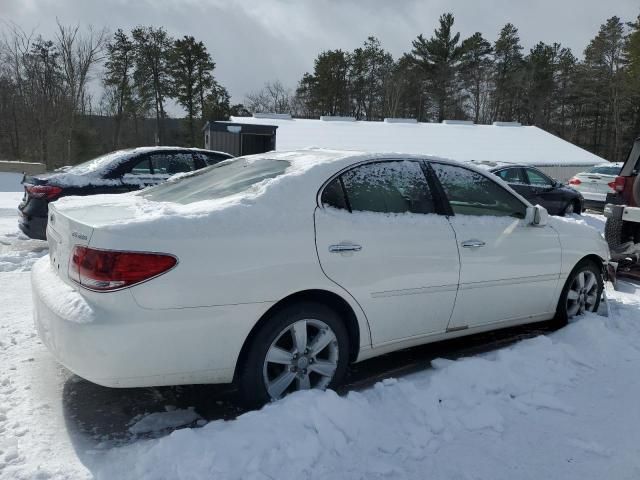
(272, 98)
(79, 52)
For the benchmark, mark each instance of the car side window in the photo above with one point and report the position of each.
(383, 187)
(333, 195)
(140, 167)
(471, 193)
(172, 163)
(538, 179)
(511, 175)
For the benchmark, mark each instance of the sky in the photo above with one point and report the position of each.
(255, 41)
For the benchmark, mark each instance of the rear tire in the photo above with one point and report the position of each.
(571, 208)
(302, 346)
(581, 292)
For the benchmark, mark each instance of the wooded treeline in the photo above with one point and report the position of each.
(48, 112)
(593, 102)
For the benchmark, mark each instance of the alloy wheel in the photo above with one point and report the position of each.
(303, 355)
(583, 294)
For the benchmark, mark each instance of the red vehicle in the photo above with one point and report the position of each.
(623, 207)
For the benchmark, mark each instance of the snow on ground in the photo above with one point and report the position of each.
(562, 405)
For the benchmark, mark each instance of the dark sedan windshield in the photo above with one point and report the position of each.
(217, 181)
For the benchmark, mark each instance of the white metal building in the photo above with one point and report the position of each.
(458, 140)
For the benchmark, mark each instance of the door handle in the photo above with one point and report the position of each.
(473, 243)
(344, 247)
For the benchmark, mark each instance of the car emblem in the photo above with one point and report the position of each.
(52, 218)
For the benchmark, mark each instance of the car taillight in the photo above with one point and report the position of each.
(575, 181)
(617, 184)
(49, 192)
(105, 270)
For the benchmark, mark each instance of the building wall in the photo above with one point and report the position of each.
(562, 173)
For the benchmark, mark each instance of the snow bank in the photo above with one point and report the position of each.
(498, 416)
(158, 421)
(61, 298)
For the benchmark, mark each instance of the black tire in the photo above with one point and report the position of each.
(613, 232)
(571, 208)
(251, 382)
(562, 313)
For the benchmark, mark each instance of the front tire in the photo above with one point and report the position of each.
(299, 347)
(581, 292)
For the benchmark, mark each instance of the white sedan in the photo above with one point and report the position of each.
(277, 270)
(595, 183)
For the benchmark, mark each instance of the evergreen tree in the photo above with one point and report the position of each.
(475, 69)
(118, 77)
(604, 62)
(508, 73)
(190, 66)
(326, 91)
(370, 67)
(152, 49)
(440, 58)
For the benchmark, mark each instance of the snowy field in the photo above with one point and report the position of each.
(562, 405)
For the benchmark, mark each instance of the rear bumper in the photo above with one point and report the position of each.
(622, 212)
(120, 344)
(32, 218)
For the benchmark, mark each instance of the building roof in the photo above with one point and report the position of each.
(503, 142)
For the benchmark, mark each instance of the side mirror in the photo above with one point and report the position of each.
(537, 216)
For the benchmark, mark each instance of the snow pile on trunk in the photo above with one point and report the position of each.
(547, 407)
(64, 300)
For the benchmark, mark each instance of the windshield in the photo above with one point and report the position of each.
(605, 170)
(217, 181)
(95, 164)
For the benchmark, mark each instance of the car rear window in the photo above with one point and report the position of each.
(217, 181)
(605, 170)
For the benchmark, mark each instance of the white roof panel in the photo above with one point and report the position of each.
(512, 144)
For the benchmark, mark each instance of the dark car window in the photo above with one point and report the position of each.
(471, 193)
(333, 195)
(141, 166)
(169, 163)
(537, 178)
(512, 175)
(384, 187)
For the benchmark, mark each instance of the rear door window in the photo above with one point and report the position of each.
(512, 175)
(168, 163)
(471, 193)
(383, 187)
(537, 179)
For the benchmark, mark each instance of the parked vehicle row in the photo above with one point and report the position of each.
(538, 187)
(116, 172)
(276, 271)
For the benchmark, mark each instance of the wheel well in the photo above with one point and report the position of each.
(590, 258)
(576, 206)
(324, 297)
